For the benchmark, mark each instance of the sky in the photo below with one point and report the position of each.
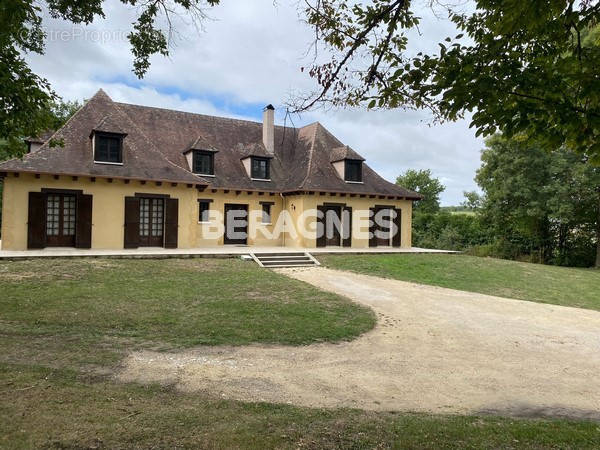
(249, 54)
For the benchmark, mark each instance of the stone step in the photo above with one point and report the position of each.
(283, 258)
(260, 255)
(307, 262)
(294, 259)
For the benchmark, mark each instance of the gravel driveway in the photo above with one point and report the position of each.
(433, 349)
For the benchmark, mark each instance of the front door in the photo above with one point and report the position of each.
(152, 219)
(236, 224)
(329, 226)
(60, 220)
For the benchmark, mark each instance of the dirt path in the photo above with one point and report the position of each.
(434, 349)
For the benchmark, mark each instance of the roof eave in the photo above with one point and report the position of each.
(113, 177)
(115, 133)
(334, 191)
(257, 156)
(192, 149)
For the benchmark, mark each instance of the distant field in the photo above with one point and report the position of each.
(534, 282)
(467, 213)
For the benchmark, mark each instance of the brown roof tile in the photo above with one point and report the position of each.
(344, 152)
(156, 140)
(110, 124)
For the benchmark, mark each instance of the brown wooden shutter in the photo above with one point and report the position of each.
(347, 226)
(171, 222)
(397, 238)
(321, 238)
(83, 233)
(36, 220)
(132, 222)
(372, 228)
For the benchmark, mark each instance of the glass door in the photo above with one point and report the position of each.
(60, 220)
(152, 222)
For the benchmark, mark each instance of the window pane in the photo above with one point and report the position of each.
(204, 211)
(157, 217)
(108, 149)
(52, 215)
(266, 213)
(203, 163)
(68, 215)
(353, 171)
(260, 168)
(144, 216)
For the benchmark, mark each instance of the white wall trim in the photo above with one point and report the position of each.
(108, 163)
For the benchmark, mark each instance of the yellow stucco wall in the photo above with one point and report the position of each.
(361, 204)
(258, 232)
(108, 208)
(108, 212)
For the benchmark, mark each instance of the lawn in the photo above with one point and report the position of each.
(534, 282)
(65, 325)
(50, 408)
(174, 302)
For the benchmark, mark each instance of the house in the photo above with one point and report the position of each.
(128, 176)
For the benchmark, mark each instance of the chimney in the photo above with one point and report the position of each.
(269, 128)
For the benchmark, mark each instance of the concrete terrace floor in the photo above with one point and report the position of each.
(223, 251)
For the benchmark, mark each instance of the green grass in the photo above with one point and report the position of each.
(48, 408)
(65, 325)
(534, 282)
(172, 302)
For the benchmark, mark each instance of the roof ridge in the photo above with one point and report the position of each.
(233, 119)
(310, 154)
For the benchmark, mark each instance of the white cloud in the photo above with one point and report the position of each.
(251, 53)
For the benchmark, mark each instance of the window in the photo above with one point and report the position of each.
(52, 215)
(266, 213)
(353, 171)
(151, 217)
(69, 215)
(61, 217)
(260, 168)
(108, 148)
(203, 163)
(204, 210)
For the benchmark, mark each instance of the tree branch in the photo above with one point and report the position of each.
(357, 43)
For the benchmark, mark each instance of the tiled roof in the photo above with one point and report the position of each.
(110, 124)
(157, 140)
(43, 137)
(200, 143)
(344, 152)
(254, 149)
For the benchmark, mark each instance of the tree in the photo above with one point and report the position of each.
(540, 202)
(522, 67)
(448, 231)
(54, 117)
(57, 116)
(473, 200)
(425, 184)
(26, 97)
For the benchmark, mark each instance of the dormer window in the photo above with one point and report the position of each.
(108, 148)
(203, 162)
(353, 171)
(260, 168)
